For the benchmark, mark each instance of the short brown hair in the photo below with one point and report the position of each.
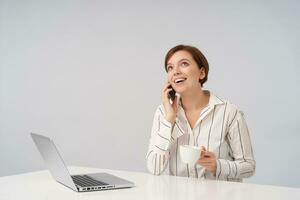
(196, 54)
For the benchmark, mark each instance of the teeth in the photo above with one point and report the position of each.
(179, 80)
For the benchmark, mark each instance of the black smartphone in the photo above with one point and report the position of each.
(172, 93)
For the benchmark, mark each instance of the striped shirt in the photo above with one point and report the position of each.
(221, 128)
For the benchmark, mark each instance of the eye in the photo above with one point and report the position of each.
(169, 68)
(184, 64)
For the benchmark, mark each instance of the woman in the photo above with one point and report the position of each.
(199, 118)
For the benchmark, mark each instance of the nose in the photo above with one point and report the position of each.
(176, 70)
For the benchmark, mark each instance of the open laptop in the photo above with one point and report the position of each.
(79, 183)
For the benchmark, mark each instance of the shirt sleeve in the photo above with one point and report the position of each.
(243, 164)
(158, 151)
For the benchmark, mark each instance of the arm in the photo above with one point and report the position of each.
(243, 164)
(158, 150)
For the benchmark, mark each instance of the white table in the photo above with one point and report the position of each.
(40, 185)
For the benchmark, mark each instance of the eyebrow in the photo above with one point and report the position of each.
(183, 59)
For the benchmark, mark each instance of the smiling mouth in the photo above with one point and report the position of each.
(179, 80)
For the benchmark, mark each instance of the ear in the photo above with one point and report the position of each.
(202, 73)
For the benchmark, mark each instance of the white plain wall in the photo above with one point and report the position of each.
(89, 75)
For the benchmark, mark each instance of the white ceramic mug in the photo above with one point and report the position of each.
(189, 154)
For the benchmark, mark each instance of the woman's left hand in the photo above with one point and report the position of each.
(208, 161)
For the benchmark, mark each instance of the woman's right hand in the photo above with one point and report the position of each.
(170, 109)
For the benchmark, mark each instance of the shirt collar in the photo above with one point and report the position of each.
(213, 99)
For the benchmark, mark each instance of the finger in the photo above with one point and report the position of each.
(167, 85)
(207, 165)
(208, 154)
(204, 155)
(205, 162)
(203, 149)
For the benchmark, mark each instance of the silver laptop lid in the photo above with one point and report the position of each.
(53, 160)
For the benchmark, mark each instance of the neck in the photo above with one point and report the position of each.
(194, 99)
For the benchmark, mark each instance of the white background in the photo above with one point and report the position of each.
(89, 74)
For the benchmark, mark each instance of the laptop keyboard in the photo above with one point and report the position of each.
(86, 181)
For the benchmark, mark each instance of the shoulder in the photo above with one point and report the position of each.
(231, 109)
(233, 112)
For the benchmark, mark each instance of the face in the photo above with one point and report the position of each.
(183, 72)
